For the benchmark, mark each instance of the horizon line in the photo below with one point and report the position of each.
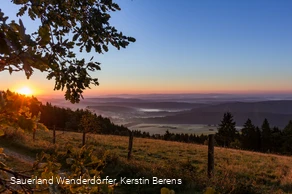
(170, 94)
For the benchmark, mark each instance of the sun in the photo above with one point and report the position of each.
(25, 91)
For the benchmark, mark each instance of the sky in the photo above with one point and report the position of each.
(187, 46)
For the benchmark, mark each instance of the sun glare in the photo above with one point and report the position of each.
(25, 91)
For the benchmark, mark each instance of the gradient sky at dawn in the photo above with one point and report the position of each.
(189, 46)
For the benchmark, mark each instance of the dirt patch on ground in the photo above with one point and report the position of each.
(19, 157)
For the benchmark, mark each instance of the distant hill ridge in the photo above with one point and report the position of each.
(281, 106)
(278, 113)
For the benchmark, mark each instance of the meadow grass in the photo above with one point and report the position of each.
(236, 171)
(197, 129)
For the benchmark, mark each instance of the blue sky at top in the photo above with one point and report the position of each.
(192, 46)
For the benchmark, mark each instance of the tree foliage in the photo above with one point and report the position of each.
(15, 111)
(88, 123)
(248, 135)
(73, 164)
(226, 131)
(64, 27)
(266, 135)
(287, 140)
(20, 111)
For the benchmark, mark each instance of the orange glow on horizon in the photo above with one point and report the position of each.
(100, 91)
(25, 91)
(41, 90)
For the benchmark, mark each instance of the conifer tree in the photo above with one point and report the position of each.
(226, 131)
(266, 136)
(258, 138)
(287, 138)
(248, 136)
(276, 140)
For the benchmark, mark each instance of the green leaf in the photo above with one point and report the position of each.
(31, 14)
(88, 47)
(97, 49)
(44, 33)
(21, 11)
(75, 37)
(131, 39)
(105, 48)
(21, 29)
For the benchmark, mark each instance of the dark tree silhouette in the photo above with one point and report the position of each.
(287, 138)
(276, 140)
(226, 131)
(266, 136)
(258, 144)
(248, 136)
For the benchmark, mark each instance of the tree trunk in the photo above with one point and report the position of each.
(54, 135)
(83, 138)
(33, 134)
(130, 144)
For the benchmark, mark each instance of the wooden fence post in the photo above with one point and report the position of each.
(130, 144)
(83, 137)
(33, 133)
(54, 135)
(211, 156)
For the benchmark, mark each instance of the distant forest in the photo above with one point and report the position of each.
(265, 138)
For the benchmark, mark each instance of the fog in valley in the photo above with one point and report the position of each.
(185, 113)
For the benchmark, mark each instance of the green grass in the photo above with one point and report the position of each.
(236, 171)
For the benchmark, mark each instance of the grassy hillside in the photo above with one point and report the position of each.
(235, 171)
(174, 128)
